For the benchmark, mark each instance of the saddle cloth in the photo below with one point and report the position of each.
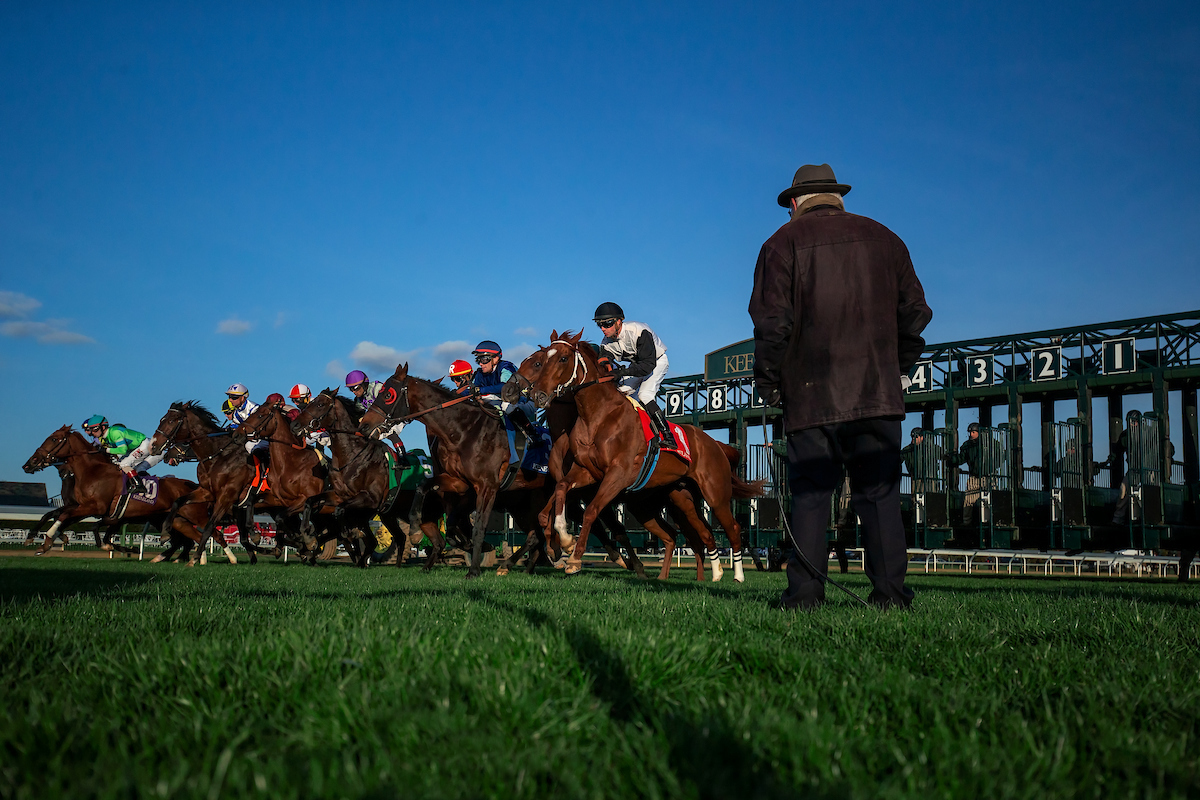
(148, 495)
(683, 452)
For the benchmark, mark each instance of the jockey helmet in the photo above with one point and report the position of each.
(94, 421)
(300, 390)
(227, 407)
(237, 390)
(917, 432)
(460, 368)
(355, 377)
(488, 347)
(973, 427)
(608, 311)
(273, 398)
(1133, 416)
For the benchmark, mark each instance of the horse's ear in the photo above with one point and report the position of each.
(578, 336)
(402, 370)
(554, 334)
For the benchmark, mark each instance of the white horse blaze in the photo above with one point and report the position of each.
(565, 539)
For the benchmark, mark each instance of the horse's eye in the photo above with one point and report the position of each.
(537, 363)
(563, 358)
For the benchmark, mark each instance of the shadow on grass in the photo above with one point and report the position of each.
(23, 585)
(704, 752)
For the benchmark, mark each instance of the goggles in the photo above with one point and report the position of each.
(483, 358)
(606, 323)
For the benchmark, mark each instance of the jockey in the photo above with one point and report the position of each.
(276, 399)
(301, 395)
(490, 378)
(227, 409)
(647, 357)
(460, 372)
(131, 447)
(365, 391)
(243, 406)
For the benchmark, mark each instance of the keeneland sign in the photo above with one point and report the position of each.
(731, 361)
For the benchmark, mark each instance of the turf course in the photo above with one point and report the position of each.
(123, 679)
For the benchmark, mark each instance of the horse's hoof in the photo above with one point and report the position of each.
(502, 571)
(569, 573)
(39, 552)
(106, 547)
(157, 559)
(472, 576)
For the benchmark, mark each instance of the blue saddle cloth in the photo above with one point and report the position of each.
(537, 455)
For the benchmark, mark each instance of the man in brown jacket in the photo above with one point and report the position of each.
(838, 313)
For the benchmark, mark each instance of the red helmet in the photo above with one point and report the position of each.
(273, 398)
(460, 368)
(300, 390)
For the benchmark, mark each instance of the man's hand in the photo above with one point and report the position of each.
(905, 382)
(772, 397)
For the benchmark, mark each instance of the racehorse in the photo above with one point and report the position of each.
(222, 469)
(300, 480)
(360, 471)
(608, 447)
(98, 485)
(472, 454)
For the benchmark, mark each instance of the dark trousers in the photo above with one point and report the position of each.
(869, 451)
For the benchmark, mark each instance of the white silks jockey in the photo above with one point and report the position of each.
(243, 407)
(647, 356)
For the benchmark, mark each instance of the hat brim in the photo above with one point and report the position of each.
(785, 197)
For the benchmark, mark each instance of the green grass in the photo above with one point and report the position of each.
(122, 678)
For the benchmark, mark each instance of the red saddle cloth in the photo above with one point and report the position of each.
(261, 472)
(683, 452)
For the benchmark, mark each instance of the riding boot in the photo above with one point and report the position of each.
(535, 437)
(659, 420)
(134, 483)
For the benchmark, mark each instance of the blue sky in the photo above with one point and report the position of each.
(192, 195)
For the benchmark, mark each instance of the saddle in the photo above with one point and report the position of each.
(147, 495)
(683, 451)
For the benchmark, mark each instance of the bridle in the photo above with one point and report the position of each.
(393, 401)
(183, 445)
(579, 371)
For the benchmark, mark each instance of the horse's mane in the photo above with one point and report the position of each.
(583, 346)
(348, 406)
(200, 411)
(436, 386)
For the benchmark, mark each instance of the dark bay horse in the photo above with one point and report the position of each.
(224, 473)
(360, 472)
(98, 484)
(608, 447)
(300, 481)
(471, 455)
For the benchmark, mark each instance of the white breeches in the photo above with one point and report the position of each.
(646, 388)
(256, 444)
(140, 459)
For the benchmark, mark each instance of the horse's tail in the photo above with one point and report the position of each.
(742, 489)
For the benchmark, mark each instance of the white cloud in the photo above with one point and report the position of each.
(280, 318)
(451, 350)
(233, 326)
(380, 356)
(51, 331)
(336, 369)
(520, 353)
(14, 305)
(528, 332)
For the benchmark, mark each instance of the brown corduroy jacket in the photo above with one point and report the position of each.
(838, 313)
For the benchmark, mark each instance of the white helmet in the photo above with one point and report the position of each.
(237, 390)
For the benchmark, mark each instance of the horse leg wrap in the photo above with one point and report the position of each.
(739, 574)
(715, 561)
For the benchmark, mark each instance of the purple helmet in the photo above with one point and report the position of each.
(356, 377)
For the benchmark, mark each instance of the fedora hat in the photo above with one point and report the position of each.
(811, 179)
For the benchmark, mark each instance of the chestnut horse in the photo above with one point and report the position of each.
(299, 479)
(222, 469)
(608, 447)
(98, 484)
(360, 472)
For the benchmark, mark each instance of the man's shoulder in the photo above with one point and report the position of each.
(830, 223)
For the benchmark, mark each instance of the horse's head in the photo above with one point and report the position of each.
(259, 425)
(390, 406)
(553, 370)
(58, 445)
(168, 428)
(312, 415)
